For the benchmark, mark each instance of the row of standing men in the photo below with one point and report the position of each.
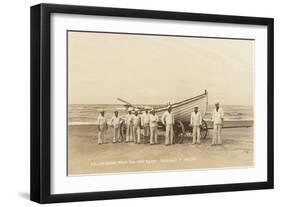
(134, 120)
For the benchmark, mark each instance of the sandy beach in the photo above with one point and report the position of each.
(85, 156)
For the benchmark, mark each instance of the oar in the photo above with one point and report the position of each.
(126, 102)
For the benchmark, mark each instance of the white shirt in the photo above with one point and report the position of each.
(153, 119)
(101, 120)
(196, 118)
(168, 118)
(217, 116)
(145, 119)
(136, 120)
(115, 121)
(129, 119)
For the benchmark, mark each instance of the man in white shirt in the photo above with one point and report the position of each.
(129, 126)
(115, 123)
(168, 120)
(153, 120)
(218, 122)
(102, 127)
(145, 123)
(196, 122)
(136, 127)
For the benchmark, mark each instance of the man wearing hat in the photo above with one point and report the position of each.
(145, 123)
(168, 120)
(102, 127)
(153, 120)
(115, 123)
(129, 125)
(136, 127)
(218, 122)
(196, 122)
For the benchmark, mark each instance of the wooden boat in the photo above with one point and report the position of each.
(182, 112)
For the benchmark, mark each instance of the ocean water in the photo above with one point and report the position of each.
(233, 112)
(89, 112)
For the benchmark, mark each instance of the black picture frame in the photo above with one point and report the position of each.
(41, 102)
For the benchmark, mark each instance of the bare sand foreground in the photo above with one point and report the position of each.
(85, 156)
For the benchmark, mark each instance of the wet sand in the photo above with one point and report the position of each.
(85, 156)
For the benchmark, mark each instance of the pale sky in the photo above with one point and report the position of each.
(145, 69)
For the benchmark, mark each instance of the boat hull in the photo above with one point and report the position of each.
(182, 110)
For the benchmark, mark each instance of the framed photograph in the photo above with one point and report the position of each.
(132, 103)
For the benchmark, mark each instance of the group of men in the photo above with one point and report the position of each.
(135, 120)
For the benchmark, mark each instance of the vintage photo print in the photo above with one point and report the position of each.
(150, 102)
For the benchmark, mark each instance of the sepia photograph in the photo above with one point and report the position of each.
(140, 103)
